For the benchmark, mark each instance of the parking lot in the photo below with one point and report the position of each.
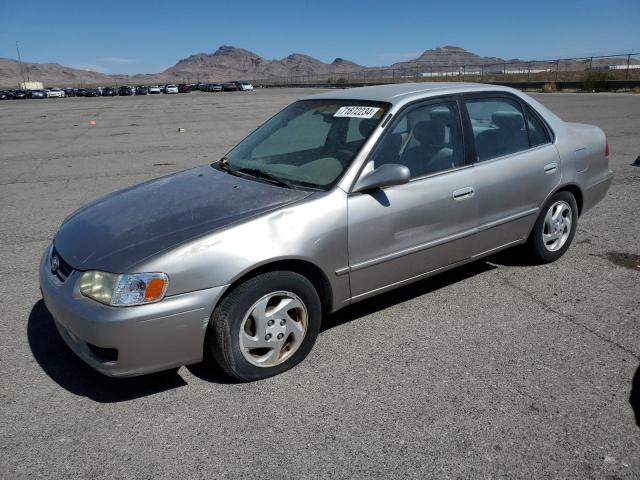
(496, 369)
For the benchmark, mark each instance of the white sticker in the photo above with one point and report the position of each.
(356, 112)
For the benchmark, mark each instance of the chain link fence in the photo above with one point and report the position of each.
(589, 70)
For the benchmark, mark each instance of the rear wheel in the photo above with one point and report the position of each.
(265, 326)
(554, 229)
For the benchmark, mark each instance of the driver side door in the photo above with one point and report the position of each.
(401, 233)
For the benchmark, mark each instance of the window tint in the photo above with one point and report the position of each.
(498, 127)
(355, 129)
(537, 132)
(426, 139)
(304, 132)
(309, 143)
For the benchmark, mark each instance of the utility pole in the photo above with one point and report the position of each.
(21, 65)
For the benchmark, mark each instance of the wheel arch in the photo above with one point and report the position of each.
(574, 190)
(303, 267)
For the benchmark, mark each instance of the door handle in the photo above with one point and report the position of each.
(551, 168)
(464, 193)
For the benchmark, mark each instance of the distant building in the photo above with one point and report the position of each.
(31, 85)
(624, 67)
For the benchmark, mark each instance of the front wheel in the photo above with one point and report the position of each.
(265, 326)
(554, 229)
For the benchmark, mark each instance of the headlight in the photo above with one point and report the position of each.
(124, 290)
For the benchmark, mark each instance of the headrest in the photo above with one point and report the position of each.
(508, 120)
(429, 132)
(441, 114)
(367, 125)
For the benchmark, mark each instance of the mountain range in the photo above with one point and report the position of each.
(229, 63)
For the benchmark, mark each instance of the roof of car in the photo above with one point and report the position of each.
(398, 93)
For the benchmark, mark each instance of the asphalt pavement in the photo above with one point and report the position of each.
(493, 370)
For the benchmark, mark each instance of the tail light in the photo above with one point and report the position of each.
(606, 149)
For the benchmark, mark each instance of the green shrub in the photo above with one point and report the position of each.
(594, 81)
(550, 87)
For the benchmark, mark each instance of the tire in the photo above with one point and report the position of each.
(249, 348)
(541, 247)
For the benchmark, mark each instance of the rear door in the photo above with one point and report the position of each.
(516, 167)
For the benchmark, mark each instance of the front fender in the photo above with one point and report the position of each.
(314, 231)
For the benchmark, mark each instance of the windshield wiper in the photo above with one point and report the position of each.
(255, 172)
(223, 164)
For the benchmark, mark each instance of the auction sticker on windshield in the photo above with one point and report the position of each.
(356, 112)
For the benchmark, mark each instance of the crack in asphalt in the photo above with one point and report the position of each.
(570, 318)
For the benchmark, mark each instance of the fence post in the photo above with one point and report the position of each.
(504, 72)
(464, 73)
(557, 69)
(628, 62)
(482, 72)
(590, 63)
(528, 72)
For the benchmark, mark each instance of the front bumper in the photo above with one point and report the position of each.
(148, 338)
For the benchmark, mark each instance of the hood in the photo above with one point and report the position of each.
(120, 230)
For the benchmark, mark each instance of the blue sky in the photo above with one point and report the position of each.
(149, 36)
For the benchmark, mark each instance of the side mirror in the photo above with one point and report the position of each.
(383, 176)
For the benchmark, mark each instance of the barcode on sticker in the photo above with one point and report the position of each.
(356, 112)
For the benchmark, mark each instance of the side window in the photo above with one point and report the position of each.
(427, 139)
(498, 127)
(538, 134)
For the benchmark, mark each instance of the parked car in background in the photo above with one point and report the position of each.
(170, 89)
(69, 92)
(55, 93)
(142, 90)
(6, 95)
(215, 87)
(229, 87)
(183, 88)
(337, 198)
(109, 92)
(38, 94)
(154, 89)
(20, 94)
(126, 90)
(92, 92)
(245, 87)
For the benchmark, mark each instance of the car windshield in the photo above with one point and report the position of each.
(310, 143)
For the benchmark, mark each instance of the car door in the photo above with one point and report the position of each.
(400, 233)
(517, 167)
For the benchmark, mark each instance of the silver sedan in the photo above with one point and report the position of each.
(337, 198)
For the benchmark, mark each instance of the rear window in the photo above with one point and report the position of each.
(498, 127)
(538, 134)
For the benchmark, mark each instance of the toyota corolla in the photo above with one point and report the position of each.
(339, 197)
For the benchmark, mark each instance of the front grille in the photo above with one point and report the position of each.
(63, 270)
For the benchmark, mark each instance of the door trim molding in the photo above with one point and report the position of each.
(434, 243)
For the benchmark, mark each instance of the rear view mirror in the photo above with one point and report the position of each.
(384, 176)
